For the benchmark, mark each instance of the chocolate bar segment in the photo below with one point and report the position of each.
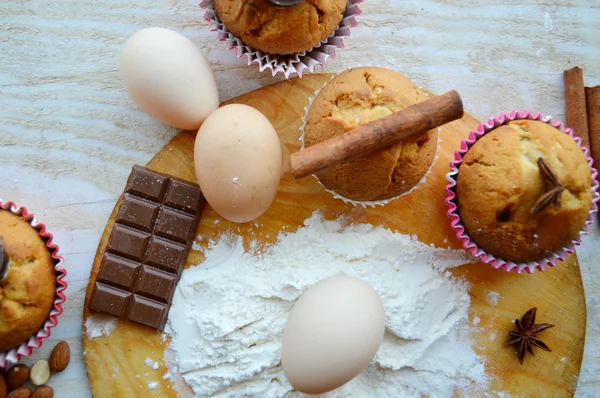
(147, 248)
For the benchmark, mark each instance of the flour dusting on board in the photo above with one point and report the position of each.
(228, 313)
(99, 325)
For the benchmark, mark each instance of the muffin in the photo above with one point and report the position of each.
(524, 191)
(358, 96)
(281, 30)
(27, 294)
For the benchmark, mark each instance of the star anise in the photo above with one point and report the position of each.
(553, 194)
(526, 337)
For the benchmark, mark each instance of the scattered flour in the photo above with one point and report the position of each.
(229, 312)
(151, 363)
(100, 325)
(493, 298)
(152, 386)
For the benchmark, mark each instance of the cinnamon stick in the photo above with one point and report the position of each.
(378, 134)
(576, 108)
(592, 99)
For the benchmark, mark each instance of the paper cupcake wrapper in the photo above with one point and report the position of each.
(451, 200)
(25, 349)
(371, 203)
(286, 64)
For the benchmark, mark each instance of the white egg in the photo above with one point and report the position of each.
(237, 156)
(332, 333)
(167, 77)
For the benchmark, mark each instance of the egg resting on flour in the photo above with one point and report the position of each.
(167, 77)
(237, 156)
(332, 333)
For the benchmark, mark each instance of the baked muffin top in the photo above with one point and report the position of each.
(358, 96)
(499, 183)
(28, 292)
(281, 30)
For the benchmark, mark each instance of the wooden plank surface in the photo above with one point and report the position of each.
(558, 292)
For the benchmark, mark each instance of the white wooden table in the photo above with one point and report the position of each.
(69, 133)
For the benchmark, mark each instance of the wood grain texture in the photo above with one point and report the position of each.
(69, 133)
(558, 292)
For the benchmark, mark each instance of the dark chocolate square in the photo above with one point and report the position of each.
(146, 183)
(119, 272)
(127, 242)
(156, 284)
(148, 312)
(166, 255)
(175, 225)
(109, 299)
(137, 213)
(184, 196)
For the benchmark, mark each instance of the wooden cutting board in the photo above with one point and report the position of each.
(116, 363)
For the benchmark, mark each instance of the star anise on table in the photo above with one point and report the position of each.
(526, 337)
(553, 194)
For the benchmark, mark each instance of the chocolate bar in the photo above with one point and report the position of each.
(147, 248)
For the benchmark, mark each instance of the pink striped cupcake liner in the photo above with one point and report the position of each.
(451, 201)
(287, 65)
(25, 349)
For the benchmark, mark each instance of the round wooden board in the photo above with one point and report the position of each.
(116, 363)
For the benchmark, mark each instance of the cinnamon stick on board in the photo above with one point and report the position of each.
(576, 109)
(378, 134)
(592, 99)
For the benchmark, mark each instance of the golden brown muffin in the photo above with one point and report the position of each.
(499, 182)
(27, 294)
(358, 96)
(281, 30)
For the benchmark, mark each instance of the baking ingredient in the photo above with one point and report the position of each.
(229, 312)
(238, 162)
(332, 333)
(525, 338)
(576, 104)
(168, 77)
(592, 99)
(99, 325)
(16, 376)
(155, 224)
(43, 392)
(4, 260)
(40, 372)
(377, 135)
(21, 392)
(556, 188)
(3, 389)
(60, 357)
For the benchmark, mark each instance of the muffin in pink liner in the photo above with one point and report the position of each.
(25, 349)
(458, 225)
(287, 65)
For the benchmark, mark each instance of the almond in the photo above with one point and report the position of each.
(60, 357)
(3, 388)
(16, 376)
(43, 392)
(22, 392)
(40, 372)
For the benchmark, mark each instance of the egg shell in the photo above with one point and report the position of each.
(238, 162)
(332, 333)
(166, 76)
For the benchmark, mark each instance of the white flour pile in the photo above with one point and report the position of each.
(229, 312)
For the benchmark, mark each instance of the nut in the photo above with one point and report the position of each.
(43, 392)
(16, 376)
(22, 392)
(40, 372)
(60, 357)
(3, 388)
